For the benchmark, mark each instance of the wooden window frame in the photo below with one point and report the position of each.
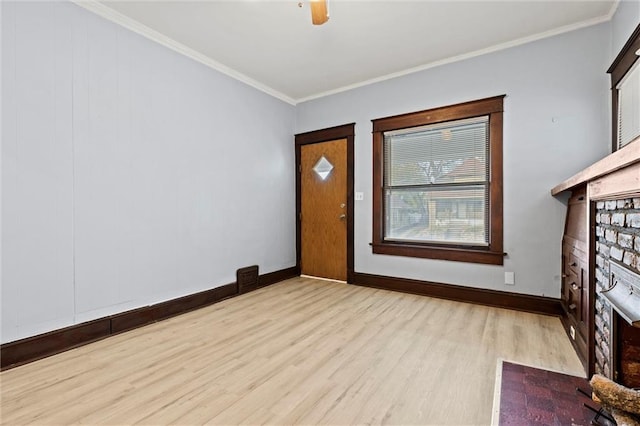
(618, 69)
(491, 254)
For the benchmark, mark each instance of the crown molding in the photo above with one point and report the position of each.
(613, 10)
(135, 26)
(452, 59)
(138, 28)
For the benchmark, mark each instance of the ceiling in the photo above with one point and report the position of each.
(273, 46)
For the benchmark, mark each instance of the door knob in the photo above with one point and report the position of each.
(342, 216)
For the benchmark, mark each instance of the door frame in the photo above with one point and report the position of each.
(346, 131)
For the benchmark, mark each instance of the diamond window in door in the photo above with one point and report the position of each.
(323, 167)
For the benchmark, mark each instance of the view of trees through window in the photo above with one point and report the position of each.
(436, 180)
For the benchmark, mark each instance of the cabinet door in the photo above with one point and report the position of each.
(584, 301)
(573, 299)
(564, 291)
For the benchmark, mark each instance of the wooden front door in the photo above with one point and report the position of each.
(323, 221)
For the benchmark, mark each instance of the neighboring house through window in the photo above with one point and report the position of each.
(438, 183)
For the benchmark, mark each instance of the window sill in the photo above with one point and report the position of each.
(441, 253)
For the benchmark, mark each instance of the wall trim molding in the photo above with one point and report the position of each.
(495, 298)
(469, 55)
(33, 348)
(112, 15)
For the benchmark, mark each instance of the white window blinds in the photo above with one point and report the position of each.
(436, 180)
(629, 106)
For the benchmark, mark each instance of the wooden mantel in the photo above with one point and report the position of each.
(622, 158)
(617, 176)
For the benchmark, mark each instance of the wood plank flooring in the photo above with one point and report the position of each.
(303, 351)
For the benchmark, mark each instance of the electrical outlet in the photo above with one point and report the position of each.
(572, 332)
(359, 196)
(510, 278)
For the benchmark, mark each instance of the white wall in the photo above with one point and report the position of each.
(556, 123)
(133, 175)
(130, 174)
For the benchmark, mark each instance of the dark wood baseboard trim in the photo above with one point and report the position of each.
(277, 276)
(30, 349)
(500, 299)
(148, 314)
(43, 345)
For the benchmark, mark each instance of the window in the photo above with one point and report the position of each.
(625, 93)
(629, 106)
(438, 183)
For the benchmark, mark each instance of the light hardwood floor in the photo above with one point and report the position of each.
(302, 351)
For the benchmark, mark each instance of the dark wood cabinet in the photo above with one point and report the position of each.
(576, 291)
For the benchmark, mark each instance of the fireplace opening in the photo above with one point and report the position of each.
(623, 296)
(626, 361)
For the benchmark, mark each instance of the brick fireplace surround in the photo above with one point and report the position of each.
(617, 239)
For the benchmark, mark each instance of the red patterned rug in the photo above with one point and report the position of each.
(531, 396)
